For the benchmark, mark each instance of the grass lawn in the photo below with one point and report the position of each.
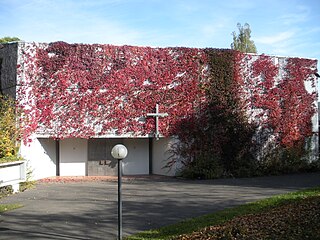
(287, 216)
(8, 207)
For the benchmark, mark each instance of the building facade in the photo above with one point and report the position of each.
(77, 101)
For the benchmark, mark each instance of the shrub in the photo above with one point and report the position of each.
(8, 130)
(5, 191)
(204, 168)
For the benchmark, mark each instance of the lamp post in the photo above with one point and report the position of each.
(119, 152)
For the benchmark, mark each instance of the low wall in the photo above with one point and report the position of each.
(12, 173)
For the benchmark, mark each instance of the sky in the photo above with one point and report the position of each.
(279, 27)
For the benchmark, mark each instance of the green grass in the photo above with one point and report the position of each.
(220, 217)
(8, 207)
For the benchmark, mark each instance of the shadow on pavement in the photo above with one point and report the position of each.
(88, 210)
(34, 234)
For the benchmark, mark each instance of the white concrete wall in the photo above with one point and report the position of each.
(314, 140)
(137, 160)
(40, 157)
(161, 157)
(73, 157)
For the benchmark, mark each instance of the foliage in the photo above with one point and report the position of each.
(296, 220)
(221, 132)
(93, 90)
(246, 128)
(9, 39)
(242, 41)
(300, 107)
(5, 191)
(226, 120)
(230, 111)
(305, 199)
(28, 184)
(282, 110)
(203, 168)
(12, 158)
(287, 160)
(8, 130)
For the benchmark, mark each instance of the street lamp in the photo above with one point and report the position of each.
(119, 152)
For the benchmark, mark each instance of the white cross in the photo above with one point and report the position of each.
(157, 115)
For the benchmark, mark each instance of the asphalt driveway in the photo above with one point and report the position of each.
(88, 210)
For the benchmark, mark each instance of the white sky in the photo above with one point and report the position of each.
(279, 27)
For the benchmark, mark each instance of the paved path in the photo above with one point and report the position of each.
(88, 210)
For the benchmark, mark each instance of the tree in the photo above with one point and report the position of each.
(8, 128)
(9, 131)
(9, 39)
(242, 41)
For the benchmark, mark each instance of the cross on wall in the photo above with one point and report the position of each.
(157, 115)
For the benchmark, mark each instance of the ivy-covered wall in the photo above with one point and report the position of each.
(258, 118)
(94, 90)
(237, 109)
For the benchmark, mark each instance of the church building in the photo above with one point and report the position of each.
(76, 101)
